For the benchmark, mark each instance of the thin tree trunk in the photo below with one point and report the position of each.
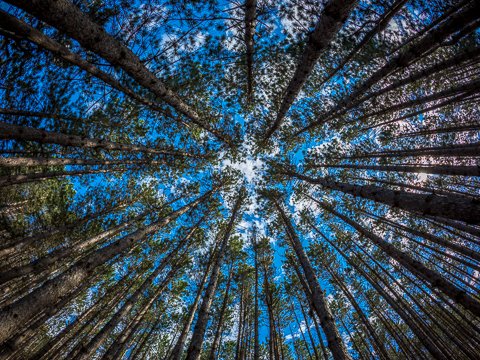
(318, 297)
(196, 342)
(15, 248)
(256, 347)
(417, 169)
(89, 350)
(55, 259)
(218, 332)
(178, 348)
(380, 25)
(423, 45)
(441, 130)
(116, 349)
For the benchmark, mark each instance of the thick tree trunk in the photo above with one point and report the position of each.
(20, 312)
(435, 280)
(325, 315)
(331, 20)
(431, 204)
(196, 342)
(41, 161)
(70, 20)
(24, 133)
(417, 169)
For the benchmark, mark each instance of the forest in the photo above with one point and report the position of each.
(239, 179)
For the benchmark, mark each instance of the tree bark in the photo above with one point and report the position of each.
(41, 161)
(218, 332)
(453, 170)
(196, 342)
(24, 133)
(325, 315)
(250, 14)
(331, 20)
(178, 348)
(431, 204)
(417, 49)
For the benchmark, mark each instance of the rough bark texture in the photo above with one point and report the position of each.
(250, 13)
(9, 131)
(325, 315)
(435, 205)
(432, 169)
(331, 20)
(41, 161)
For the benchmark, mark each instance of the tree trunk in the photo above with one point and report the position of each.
(89, 350)
(331, 20)
(178, 348)
(441, 130)
(467, 211)
(24, 133)
(218, 332)
(417, 169)
(40, 161)
(11, 180)
(423, 45)
(250, 14)
(380, 25)
(196, 342)
(256, 346)
(318, 297)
